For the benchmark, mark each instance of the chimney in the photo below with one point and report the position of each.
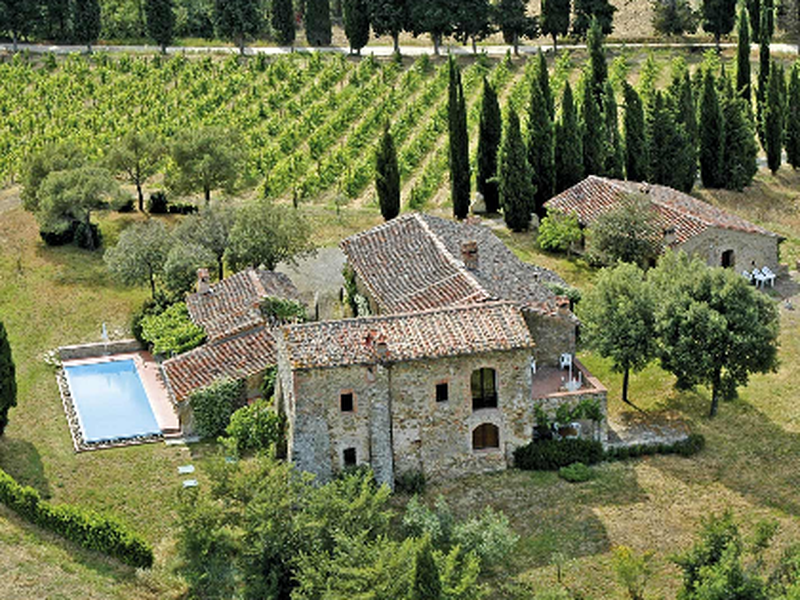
(203, 286)
(376, 342)
(469, 255)
(562, 304)
(669, 236)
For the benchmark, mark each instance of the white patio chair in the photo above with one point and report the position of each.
(759, 278)
(566, 360)
(769, 276)
(748, 275)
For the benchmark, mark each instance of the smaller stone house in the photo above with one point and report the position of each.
(696, 227)
(239, 342)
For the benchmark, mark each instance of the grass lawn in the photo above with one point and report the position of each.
(55, 296)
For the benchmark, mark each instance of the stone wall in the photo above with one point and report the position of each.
(748, 248)
(99, 349)
(552, 334)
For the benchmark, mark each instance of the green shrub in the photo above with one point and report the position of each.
(550, 455)
(576, 473)
(558, 232)
(255, 427)
(172, 331)
(411, 482)
(157, 203)
(214, 404)
(83, 527)
(686, 447)
(283, 310)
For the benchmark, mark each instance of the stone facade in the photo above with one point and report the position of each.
(749, 250)
(553, 333)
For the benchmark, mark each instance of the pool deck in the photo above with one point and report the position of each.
(150, 374)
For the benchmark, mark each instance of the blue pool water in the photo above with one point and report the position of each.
(110, 400)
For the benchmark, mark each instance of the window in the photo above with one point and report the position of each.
(349, 456)
(484, 391)
(442, 391)
(485, 436)
(346, 401)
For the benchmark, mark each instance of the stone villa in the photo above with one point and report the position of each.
(688, 224)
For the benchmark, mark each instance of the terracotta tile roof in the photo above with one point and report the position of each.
(687, 215)
(414, 263)
(232, 305)
(237, 357)
(450, 331)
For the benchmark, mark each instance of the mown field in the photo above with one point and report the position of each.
(54, 296)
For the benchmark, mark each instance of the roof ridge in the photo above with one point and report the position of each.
(261, 291)
(385, 225)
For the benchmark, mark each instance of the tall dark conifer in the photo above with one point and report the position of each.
(459, 144)
(541, 151)
(686, 115)
(318, 22)
(615, 157)
(514, 175)
(8, 381)
(569, 144)
(387, 176)
(763, 75)
(593, 131)
(743, 57)
(754, 12)
(282, 20)
(773, 120)
(356, 24)
(636, 158)
(490, 133)
(739, 149)
(712, 135)
(543, 77)
(792, 141)
(597, 59)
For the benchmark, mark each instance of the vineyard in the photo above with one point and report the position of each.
(309, 122)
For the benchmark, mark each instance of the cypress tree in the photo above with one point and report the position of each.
(427, 583)
(739, 149)
(569, 144)
(516, 181)
(86, 22)
(615, 159)
(597, 59)
(490, 133)
(318, 22)
(593, 133)
(459, 144)
(768, 11)
(763, 76)
(541, 151)
(282, 20)
(8, 381)
(387, 176)
(712, 135)
(636, 159)
(670, 159)
(743, 57)
(773, 120)
(356, 24)
(543, 77)
(160, 22)
(793, 119)
(754, 13)
(686, 114)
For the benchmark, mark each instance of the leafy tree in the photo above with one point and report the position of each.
(740, 148)
(743, 57)
(628, 233)
(602, 10)
(389, 17)
(73, 195)
(266, 234)
(632, 571)
(56, 16)
(255, 428)
(210, 229)
(674, 17)
(387, 176)
(714, 328)
(512, 18)
(140, 254)
(435, 17)
(53, 157)
(569, 144)
(138, 156)
(718, 17)
(18, 18)
(490, 133)
(160, 16)
(459, 143)
(555, 19)
(8, 380)
(237, 20)
(615, 154)
(636, 156)
(515, 177)
(214, 404)
(86, 22)
(205, 159)
(712, 135)
(541, 151)
(594, 139)
(356, 24)
(427, 585)
(282, 21)
(773, 120)
(318, 22)
(558, 231)
(598, 68)
(793, 119)
(473, 22)
(180, 268)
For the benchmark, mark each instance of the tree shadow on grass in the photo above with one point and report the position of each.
(20, 459)
(746, 451)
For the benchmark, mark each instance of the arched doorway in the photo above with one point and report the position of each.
(728, 259)
(485, 436)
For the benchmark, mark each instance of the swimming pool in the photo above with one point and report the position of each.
(110, 401)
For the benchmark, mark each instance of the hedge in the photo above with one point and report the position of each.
(551, 455)
(686, 447)
(83, 527)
